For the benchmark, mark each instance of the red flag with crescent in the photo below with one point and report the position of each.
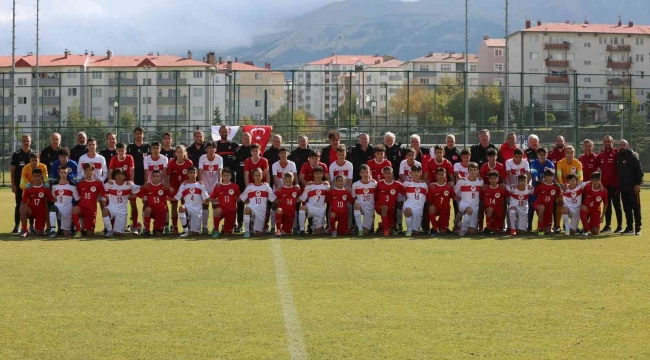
(260, 134)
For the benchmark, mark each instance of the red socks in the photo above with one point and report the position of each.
(75, 221)
(278, 221)
(488, 222)
(585, 222)
(147, 222)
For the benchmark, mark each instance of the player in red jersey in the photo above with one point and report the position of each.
(595, 194)
(338, 199)
(226, 194)
(440, 196)
(177, 171)
(157, 194)
(493, 165)
(546, 193)
(287, 198)
(34, 204)
(493, 197)
(307, 169)
(379, 163)
(256, 161)
(439, 162)
(387, 193)
(90, 191)
(122, 161)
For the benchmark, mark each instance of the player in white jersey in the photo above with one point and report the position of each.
(210, 166)
(518, 207)
(461, 169)
(194, 195)
(405, 175)
(98, 161)
(468, 194)
(64, 194)
(119, 193)
(342, 167)
(416, 196)
(515, 167)
(314, 196)
(256, 196)
(364, 194)
(572, 196)
(281, 167)
(155, 161)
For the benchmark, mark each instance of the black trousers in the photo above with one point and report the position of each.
(240, 207)
(19, 199)
(632, 208)
(613, 200)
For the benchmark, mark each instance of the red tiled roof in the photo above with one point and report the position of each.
(141, 60)
(447, 58)
(388, 64)
(591, 28)
(240, 67)
(495, 42)
(348, 60)
(44, 60)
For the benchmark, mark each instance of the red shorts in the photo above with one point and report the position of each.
(89, 214)
(40, 216)
(341, 222)
(548, 212)
(391, 209)
(594, 218)
(443, 218)
(229, 216)
(159, 215)
(288, 217)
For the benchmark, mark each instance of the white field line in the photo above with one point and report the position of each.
(291, 322)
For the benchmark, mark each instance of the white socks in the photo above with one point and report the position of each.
(465, 223)
(247, 222)
(205, 213)
(53, 220)
(416, 221)
(409, 223)
(513, 217)
(357, 219)
(301, 219)
(272, 219)
(107, 223)
(183, 218)
(567, 224)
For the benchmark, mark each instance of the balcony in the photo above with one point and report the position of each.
(8, 80)
(181, 117)
(170, 100)
(552, 46)
(557, 63)
(618, 81)
(170, 82)
(619, 64)
(51, 118)
(124, 100)
(46, 100)
(626, 48)
(564, 97)
(613, 97)
(47, 81)
(123, 82)
(395, 78)
(557, 79)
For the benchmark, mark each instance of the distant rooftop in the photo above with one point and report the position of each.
(446, 57)
(348, 60)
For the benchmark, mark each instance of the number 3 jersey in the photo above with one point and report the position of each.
(193, 193)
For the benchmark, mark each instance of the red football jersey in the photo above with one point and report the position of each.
(376, 169)
(386, 194)
(608, 167)
(227, 194)
(593, 198)
(433, 167)
(249, 166)
(288, 197)
(126, 165)
(37, 197)
(89, 191)
(546, 194)
(440, 196)
(590, 164)
(338, 200)
(498, 167)
(308, 171)
(494, 197)
(178, 172)
(157, 196)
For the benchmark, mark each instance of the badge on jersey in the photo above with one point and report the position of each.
(231, 192)
(497, 195)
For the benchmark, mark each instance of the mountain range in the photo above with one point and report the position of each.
(410, 29)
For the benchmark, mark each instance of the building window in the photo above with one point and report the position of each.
(498, 82)
(72, 91)
(639, 41)
(587, 96)
(146, 82)
(534, 56)
(49, 92)
(473, 68)
(72, 74)
(197, 110)
(134, 92)
(146, 100)
(588, 45)
(639, 58)
(159, 110)
(587, 80)
(97, 74)
(424, 81)
(197, 74)
(587, 62)
(258, 103)
(97, 93)
(498, 67)
(22, 81)
(498, 52)
(424, 67)
(445, 67)
(383, 73)
(197, 92)
(382, 97)
(97, 112)
(173, 92)
(258, 89)
(22, 118)
(570, 56)
(258, 76)
(22, 100)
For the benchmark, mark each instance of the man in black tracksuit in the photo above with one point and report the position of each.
(630, 177)
(300, 155)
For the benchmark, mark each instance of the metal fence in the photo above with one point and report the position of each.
(357, 100)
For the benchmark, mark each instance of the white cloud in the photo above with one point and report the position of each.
(136, 27)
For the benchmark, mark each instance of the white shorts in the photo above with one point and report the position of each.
(66, 218)
(522, 217)
(259, 217)
(317, 214)
(368, 217)
(574, 213)
(195, 219)
(415, 206)
(474, 219)
(119, 215)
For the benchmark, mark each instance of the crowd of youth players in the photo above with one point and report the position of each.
(338, 191)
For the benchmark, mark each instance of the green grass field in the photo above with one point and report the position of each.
(370, 298)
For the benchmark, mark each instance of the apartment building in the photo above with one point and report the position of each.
(600, 57)
(382, 81)
(316, 83)
(246, 86)
(432, 68)
(158, 89)
(491, 61)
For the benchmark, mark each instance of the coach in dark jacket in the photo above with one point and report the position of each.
(360, 154)
(479, 151)
(300, 155)
(452, 153)
(630, 177)
(328, 154)
(271, 153)
(394, 152)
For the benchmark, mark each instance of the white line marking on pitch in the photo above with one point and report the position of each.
(291, 321)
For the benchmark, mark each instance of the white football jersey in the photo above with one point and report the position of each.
(345, 170)
(64, 195)
(210, 170)
(416, 192)
(316, 193)
(279, 171)
(193, 194)
(573, 197)
(364, 194)
(405, 169)
(118, 195)
(519, 198)
(101, 170)
(258, 195)
(469, 191)
(513, 170)
(160, 164)
(462, 171)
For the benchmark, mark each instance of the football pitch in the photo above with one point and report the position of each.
(347, 298)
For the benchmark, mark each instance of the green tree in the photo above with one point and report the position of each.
(216, 116)
(550, 119)
(127, 121)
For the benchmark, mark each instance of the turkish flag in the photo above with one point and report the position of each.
(260, 134)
